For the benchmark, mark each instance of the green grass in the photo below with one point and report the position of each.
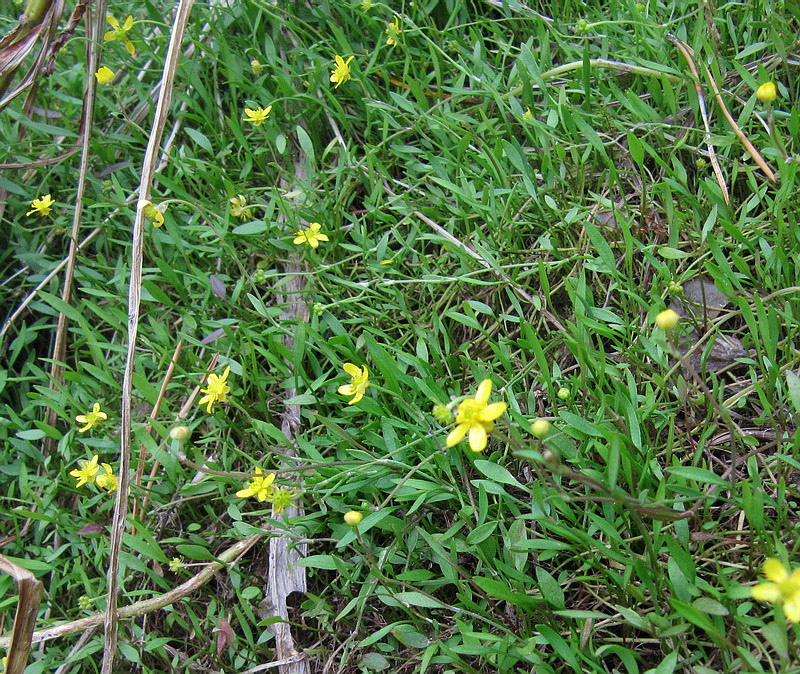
(467, 240)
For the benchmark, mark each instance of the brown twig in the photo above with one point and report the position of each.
(688, 54)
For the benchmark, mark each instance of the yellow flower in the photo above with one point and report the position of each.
(341, 73)
(476, 417)
(783, 587)
(260, 486)
(107, 480)
(91, 419)
(393, 32)
(104, 75)
(216, 390)
(239, 208)
(312, 236)
(86, 473)
(255, 64)
(527, 116)
(42, 205)
(120, 33)
(353, 518)
(153, 213)
(667, 319)
(767, 92)
(175, 564)
(359, 382)
(257, 116)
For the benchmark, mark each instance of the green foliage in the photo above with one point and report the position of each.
(508, 194)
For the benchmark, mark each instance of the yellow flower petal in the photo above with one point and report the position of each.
(477, 438)
(492, 412)
(484, 391)
(352, 370)
(791, 608)
(768, 592)
(456, 435)
(775, 571)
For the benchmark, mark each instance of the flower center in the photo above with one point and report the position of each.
(468, 411)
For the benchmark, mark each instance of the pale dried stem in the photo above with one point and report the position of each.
(134, 297)
(226, 557)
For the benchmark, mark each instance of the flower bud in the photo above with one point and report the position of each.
(563, 393)
(667, 319)
(180, 433)
(442, 414)
(767, 92)
(540, 428)
(353, 518)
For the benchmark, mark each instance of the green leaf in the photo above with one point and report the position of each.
(499, 590)
(327, 562)
(481, 533)
(306, 144)
(250, 228)
(775, 634)
(302, 399)
(496, 472)
(550, 588)
(673, 253)
(566, 652)
(697, 474)
(418, 599)
(793, 384)
(710, 606)
(196, 552)
(374, 662)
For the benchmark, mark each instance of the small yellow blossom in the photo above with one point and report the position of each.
(341, 73)
(104, 75)
(476, 417)
(667, 319)
(256, 66)
(393, 32)
(175, 564)
(767, 92)
(784, 587)
(153, 213)
(216, 390)
(42, 205)
(87, 471)
(91, 419)
(260, 486)
(540, 428)
(359, 382)
(120, 33)
(107, 480)
(257, 116)
(312, 236)
(527, 116)
(353, 518)
(239, 208)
